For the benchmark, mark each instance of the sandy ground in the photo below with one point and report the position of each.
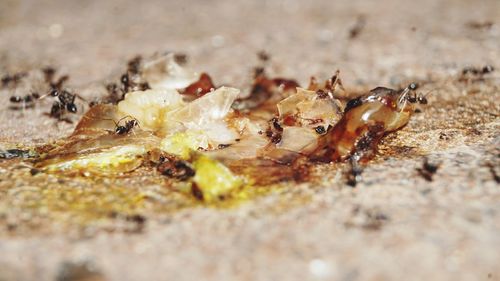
(393, 226)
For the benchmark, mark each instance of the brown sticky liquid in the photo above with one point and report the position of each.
(367, 122)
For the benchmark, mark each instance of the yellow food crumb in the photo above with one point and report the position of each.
(214, 179)
(183, 143)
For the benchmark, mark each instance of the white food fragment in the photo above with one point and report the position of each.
(166, 73)
(212, 106)
(298, 139)
(310, 109)
(206, 114)
(149, 107)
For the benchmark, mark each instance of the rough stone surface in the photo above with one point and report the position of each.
(395, 225)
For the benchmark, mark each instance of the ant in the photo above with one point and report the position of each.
(414, 97)
(180, 58)
(113, 97)
(59, 83)
(127, 127)
(12, 80)
(478, 71)
(176, 168)
(56, 86)
(129, 85)
(48, 73)
(428, 169)
(27, 101)
(131, 79)
(474, 74)
(134, 65)
(65, 102)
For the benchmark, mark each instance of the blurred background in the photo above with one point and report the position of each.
(371, 42)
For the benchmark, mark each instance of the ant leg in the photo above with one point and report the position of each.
(80, 97)
(109, 119)
(124, 117)
(365, 150)
(24, 107)
(355, 170)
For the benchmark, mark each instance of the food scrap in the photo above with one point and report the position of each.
(199, 135)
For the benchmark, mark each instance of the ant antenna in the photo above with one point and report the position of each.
(52, 92)
(109, 119)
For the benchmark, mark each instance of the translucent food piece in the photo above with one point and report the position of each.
(298, 139)
(165, 73)
(247, 147)
(114, 160)
(309, 109)
(210, 107)
(98, 118)
(206, 115)
(103, 153)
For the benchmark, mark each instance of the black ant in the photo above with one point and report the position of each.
(12, 80)
(478, 71)
(114, 96)
(130, 81)
(49, 73)
(127, 127)
(428, 169)
(180, 58)
(65, 102)
(473, 74)
(134, 65)
(129, 85)
(126, 85)
(57, 85)
(27, 101)
(414, 97)
(176, 168)
(263, 56)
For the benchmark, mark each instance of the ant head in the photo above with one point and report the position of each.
(124, 79)
(421, 99)
(413, 86)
